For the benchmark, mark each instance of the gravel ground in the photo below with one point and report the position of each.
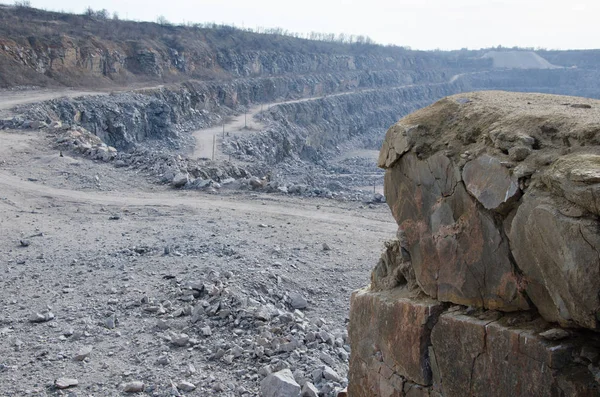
(109, 280)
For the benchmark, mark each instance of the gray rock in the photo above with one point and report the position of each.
(555, 334)
(163, 360)
(327, 359)
(256, 183)
(162, 325)
(280, 384)
(65, 383)
(41, 317)
(218, 387)
(180, 340)
(263, 313)
(206, 331)
(330, 374)
(317, 375)
(265, 370)
(83, 353)
(309, 390)
(186, 386)
(133, 387)
(378, 198)
(180, 180)
(111, 321)
(297, 301)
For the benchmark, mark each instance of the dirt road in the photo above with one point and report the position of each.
(10, 99)
(208, 140)
(211, 138)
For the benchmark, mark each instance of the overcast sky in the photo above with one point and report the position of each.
(420, 24)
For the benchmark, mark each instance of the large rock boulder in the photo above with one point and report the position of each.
(497, 195)
(559, 254)
(457, 251)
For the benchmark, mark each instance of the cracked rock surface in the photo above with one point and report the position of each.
(495, 197)
(485, 230)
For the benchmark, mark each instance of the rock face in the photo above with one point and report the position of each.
(383, 352)
(479, 357)
(495, 196)
(484, 230)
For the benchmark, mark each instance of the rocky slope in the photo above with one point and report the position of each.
(45, 48)
(125, 119)
(576, 82)
(221, 71)
(495, 196)
(311, 129)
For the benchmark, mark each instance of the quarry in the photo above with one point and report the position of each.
(208, 211)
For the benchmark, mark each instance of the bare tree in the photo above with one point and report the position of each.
(162, 21)
(23, 3)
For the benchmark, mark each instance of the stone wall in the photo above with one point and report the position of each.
(492, 287)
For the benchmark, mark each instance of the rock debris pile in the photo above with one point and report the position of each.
(258, 336)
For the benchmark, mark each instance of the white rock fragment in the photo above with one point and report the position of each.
(133, 387)
(65, 383)
(280, 384)
(186, 386)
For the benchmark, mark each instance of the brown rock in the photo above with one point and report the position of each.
(457, 252)
(496, 196)
(576, 178)
(560, 258)
(482, 358)
(397, 142)
(389, 334)
(414, 390)
(519, 153)
(554, 334)
(490, 182)
(393, 269)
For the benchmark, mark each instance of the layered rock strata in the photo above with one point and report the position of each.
(496, 199)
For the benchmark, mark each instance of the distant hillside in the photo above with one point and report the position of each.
(518, 60)
(45, 48)
(582, 59)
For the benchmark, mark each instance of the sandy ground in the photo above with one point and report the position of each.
(96, 239)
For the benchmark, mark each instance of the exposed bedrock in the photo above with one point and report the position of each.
(403, 346)
(488, 228)
(309, 129)
(125, 119)
(496, 199)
